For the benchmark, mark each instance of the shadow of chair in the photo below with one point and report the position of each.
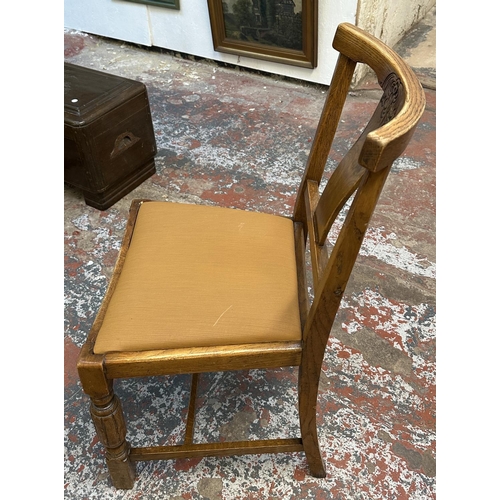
(202, 289)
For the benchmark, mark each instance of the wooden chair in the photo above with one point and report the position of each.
(202, 289)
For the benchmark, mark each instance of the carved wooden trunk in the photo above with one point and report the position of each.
(109, 143)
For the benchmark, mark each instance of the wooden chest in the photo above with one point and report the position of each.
(109, 142)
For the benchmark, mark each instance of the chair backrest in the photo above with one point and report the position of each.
(359, 177)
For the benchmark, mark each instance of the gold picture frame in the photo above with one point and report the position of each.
(282, 31)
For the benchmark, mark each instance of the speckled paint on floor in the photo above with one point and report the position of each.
(240, 139)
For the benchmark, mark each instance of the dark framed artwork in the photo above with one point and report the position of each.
(283, 31)
(169, 4)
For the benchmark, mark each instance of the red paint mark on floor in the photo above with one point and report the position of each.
(299, 474)
(71, 352)
(185, 464)
(73, 45)
(344, 354)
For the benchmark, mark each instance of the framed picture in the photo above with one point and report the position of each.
(283, 31)
(169, 4)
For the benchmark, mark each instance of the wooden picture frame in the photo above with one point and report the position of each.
(282, 31)
(169, 4)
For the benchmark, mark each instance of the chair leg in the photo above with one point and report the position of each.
(109, 422)
(308, 395)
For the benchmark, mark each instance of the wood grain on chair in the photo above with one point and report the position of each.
(200, 289)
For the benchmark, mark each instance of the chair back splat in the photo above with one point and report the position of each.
(176, 305)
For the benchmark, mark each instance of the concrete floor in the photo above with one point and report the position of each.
(240, 139)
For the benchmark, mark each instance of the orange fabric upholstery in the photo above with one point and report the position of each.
(197, 276)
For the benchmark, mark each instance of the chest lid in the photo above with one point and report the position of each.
(89, 94)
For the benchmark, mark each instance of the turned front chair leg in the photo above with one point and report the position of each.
(109, 422)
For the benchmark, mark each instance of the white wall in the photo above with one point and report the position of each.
(389, 20)
(112, 18)
(188, 29)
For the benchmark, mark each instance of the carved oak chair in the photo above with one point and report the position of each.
(202, 289)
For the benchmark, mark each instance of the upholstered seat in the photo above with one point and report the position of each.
(199, 276)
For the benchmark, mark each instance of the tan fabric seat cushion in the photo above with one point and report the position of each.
(202, 276)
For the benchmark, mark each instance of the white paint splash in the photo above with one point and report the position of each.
(377, 244)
